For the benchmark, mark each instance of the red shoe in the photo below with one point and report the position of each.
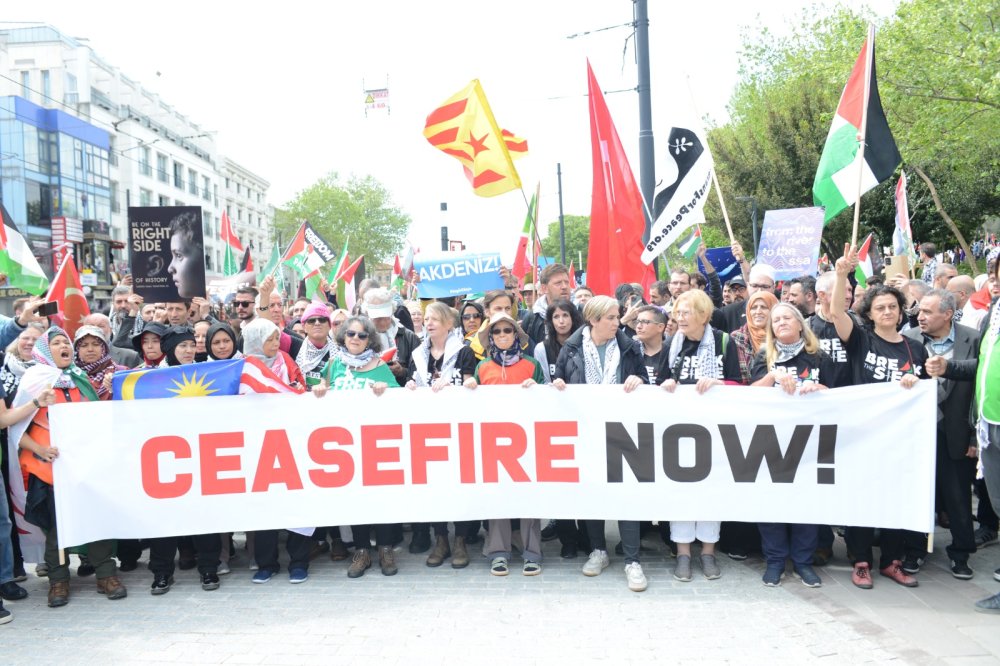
(895, 572)
(862, 576)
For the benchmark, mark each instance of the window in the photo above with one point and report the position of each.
(26, 85)
(163, 201)
(258, 197)
(227, 183)
(46, 85)
(239, 214)
(115, 206)
(208, 262)
(144, 167)
(145, 197)
(161, 168)
(179, 175)
(206, 184)
(237, 188)
(192, 181)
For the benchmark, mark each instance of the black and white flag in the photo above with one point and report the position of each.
(679, 206)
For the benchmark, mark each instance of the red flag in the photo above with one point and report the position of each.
(572, 277)
(981, 299)
(67, 291)
(348, 274)
(616, 219)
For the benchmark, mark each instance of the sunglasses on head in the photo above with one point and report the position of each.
(360, 335)
(506, 330)
(317, 320)
(242, 304)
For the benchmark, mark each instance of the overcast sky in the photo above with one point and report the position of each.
(282, 85)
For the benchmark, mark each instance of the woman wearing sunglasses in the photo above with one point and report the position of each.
(357, 365)
(314, 353)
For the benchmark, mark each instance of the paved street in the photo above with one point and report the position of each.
(441, 615)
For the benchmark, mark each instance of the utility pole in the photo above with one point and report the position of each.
(647, 173)
(562, 220)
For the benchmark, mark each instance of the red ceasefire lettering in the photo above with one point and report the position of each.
(508, 455)
(150, 466)
(339, 458)
(276, 464)
(212, 463)
(421, 453)
(466, 453)
(547, 452)
(372, 455)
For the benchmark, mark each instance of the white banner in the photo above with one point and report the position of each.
(856, 456)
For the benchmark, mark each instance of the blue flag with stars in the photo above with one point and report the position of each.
(181, 381)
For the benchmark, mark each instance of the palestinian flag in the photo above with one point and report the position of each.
(233, 247)
(306, 255)
(17, 261)
(347, 292)
(864, 268)
(272, 268)
(690, 244)
(397, 275)
(836, 184)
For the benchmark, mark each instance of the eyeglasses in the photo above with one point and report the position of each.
(503, 331)
(316, 320)
(242, 304)
(474, 315)
(645, 322)
(682, 314)
(759, 285)
(360, 335)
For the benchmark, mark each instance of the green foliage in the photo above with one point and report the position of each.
(936, 65)
(360, 209)
(577, 238)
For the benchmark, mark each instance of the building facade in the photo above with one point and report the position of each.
(80, 140)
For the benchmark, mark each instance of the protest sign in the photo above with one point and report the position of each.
(258, 462)
(789, 241)
(723, 262)
(455, 274)
(166, 252)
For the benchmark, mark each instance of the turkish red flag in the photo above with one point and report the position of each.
(67, 291)
(616, 220)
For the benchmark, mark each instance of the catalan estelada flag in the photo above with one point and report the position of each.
(463, 126)
(181, 381)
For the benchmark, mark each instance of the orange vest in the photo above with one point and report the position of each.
(39, 431)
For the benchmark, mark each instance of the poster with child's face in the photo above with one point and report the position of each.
(166, 252)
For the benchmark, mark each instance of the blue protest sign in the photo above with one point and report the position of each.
(789, 241)
(454, 274)
(723, 262)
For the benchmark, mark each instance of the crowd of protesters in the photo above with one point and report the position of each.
(807, 334)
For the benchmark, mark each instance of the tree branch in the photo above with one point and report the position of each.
(947, 219)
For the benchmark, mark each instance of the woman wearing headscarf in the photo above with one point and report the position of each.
(316, 347)
(220, 342)
(357, 365)
(503, 339)
(262, 340)
(705, 357)
(15, 361)
(749, 338)
(146, 341)
(94, 357)
(472, 319)
(179, 347)
(562, 319)
(200, 338)
(791, 360)
(434, 364)
(53, 354)
(600, 353)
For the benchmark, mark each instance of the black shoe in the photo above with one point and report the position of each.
(161, 584)
(85, 569)
(12, 592)
(738, 554)
(549, 531)
(912, 564)
(961, 570)
(20, 575)
(128, 565)
(568, 551)
(210, 581)
(472, 539)
(420, 542)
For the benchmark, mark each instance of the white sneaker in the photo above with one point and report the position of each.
(636, 579)
(596, 563)
(223, 568)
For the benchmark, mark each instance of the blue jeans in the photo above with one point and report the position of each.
(781, 541)
(6, 547)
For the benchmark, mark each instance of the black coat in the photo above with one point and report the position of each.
(959, 390)
(570, 364)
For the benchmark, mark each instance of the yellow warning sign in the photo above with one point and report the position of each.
(369, 99)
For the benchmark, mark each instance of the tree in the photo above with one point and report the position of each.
(577, 238)
(360, 210)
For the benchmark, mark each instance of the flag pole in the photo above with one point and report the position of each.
(715, 178)
(869, 57)
(535, 241)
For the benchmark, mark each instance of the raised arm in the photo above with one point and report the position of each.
(838, 307)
